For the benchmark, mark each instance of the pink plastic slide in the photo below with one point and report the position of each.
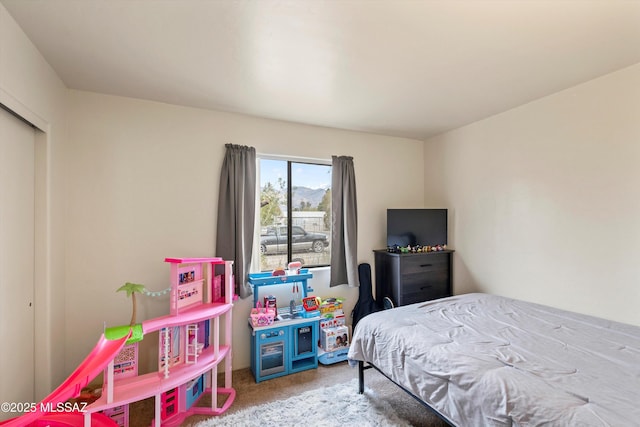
(104, 351)
(72, 419)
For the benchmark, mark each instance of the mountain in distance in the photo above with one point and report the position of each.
(312, 195)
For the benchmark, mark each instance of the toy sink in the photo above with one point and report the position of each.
(289, 316)
(300, 314)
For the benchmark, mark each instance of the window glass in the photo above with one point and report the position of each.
(296, 195)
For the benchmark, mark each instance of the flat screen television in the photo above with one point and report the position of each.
(416, 227)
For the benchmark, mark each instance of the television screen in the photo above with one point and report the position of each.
(416, 227)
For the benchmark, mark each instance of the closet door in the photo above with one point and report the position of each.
(17, 188)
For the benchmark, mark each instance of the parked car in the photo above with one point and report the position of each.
(274, 240)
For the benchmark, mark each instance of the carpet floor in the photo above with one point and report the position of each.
(249, 393)
(334, 406)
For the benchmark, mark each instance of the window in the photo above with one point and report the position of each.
(295, 200)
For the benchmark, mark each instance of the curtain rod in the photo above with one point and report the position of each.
(294, 158)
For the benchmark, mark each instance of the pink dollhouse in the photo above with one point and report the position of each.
(190, 351)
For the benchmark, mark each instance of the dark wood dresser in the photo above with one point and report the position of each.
(412, 277)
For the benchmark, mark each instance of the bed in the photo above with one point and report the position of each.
(485, 360)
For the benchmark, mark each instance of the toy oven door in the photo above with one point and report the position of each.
(272, 358)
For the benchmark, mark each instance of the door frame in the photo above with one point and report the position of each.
(45, 321)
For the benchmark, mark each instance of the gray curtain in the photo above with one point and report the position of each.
(344, 223)
(236, 212)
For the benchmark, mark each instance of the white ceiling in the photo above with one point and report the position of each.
(397, 67)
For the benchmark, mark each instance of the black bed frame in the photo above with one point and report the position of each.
(362, 367)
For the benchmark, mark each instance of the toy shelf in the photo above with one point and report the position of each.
(148, 385)
(331, 357)
(285, 322)
(267, 278)
(190, 315)
(258, 280)
(188, 364)
(211, 260)
(195, 340)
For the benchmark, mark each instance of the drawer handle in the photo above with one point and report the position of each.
(426, 265)
(426, 287)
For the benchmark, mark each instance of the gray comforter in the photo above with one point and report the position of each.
(484, 360)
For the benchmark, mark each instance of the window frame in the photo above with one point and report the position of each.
(289, 160)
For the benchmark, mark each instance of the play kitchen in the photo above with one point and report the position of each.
(283, 340)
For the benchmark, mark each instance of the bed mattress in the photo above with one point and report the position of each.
(485, 360)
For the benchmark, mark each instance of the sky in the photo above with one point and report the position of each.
(303, 175)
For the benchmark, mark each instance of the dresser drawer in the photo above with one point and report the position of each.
(424, 263)
(424, 287)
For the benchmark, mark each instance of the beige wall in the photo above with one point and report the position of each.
(29, 87)
(545, 199)
(111, 197)
(142, 181)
